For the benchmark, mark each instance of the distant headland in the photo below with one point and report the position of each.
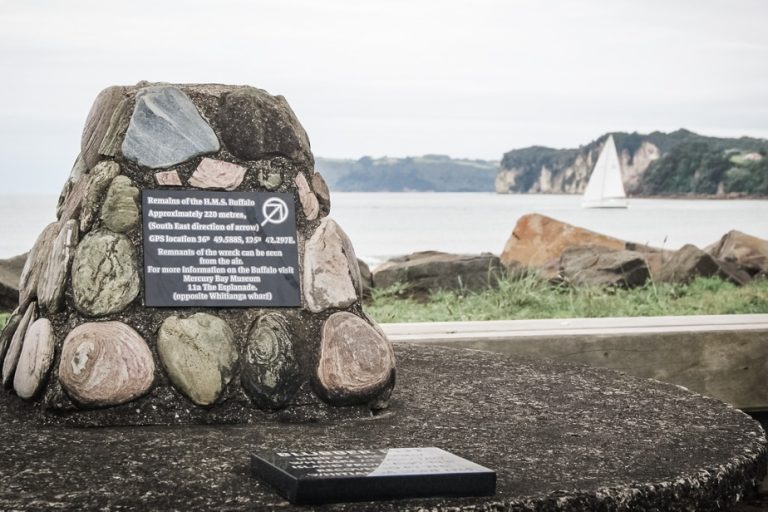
(677, 164)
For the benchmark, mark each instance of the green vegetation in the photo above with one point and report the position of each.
(699, 168)
(530, 298)
(689, 167)
(4, 319)
(690, 163)
(434, 173)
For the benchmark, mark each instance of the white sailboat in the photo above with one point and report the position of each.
(605, 188)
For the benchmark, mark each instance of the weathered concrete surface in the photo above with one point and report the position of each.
(561, 437)
(721, 356)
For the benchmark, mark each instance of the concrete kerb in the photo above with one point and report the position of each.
(723, 356)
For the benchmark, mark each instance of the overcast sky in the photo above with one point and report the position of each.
(390, 77)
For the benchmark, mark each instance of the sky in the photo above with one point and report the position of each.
(391, 77)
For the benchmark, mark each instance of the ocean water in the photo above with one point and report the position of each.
(382, 225)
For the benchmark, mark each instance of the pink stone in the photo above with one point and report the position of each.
(35, 360)
(105, 363)
(308, 200)
(356, 360)
(168, 178)
(217, 174)
(331, 275)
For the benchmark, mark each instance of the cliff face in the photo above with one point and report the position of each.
(539, 169)
(567, 171)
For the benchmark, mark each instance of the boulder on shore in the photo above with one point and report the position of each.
(429, 271)
(595, 265)
(539, 241)
(690, 262)
(10, 273)
(747, 252)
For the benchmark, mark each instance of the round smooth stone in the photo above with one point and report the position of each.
(120, 211)
(199, 355)
(105, 276)
(35, 359)
(105, 363)
(98, 182)
(308, 200)
(36, 259)
(356, 362)
(270, 374)
(331, 276)
(17, 341)
(321, 187)
(50, 286)
(7, 334)
(254, 125)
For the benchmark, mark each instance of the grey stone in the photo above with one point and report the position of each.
(690, 262)
(356, 362)
(594, 265)
(270, 179)
(309, 203)
(120, 211)
(79, 169)
(166, 129)
(14, 347)
(429, 271)
(213, 173)
(731, 271)
(331, 277)
(321, 188)
(198, 354)
(105, 363)
(30, 274)
(98, 121)
(118, 124)
(686, 264)
(366, 278)
(98, 182)
(168, 178)
(256, 125)
(270, 374)
(105, 276)
(35, 360)
(323, 194)
(6, 335)
(10, 275)
(50, 286)
(73, 203)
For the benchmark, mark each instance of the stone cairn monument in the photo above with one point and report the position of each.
(193, 274)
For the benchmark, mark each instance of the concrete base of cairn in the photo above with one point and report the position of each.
(560, 437)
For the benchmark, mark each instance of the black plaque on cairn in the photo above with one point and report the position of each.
(368, 475)
(220, 249)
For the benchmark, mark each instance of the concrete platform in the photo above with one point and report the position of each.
(724, 356)
(560, 436)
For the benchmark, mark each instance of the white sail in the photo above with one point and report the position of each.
(605, 188)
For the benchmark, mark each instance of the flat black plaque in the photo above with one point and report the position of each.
(220, 249)
(369, 475)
